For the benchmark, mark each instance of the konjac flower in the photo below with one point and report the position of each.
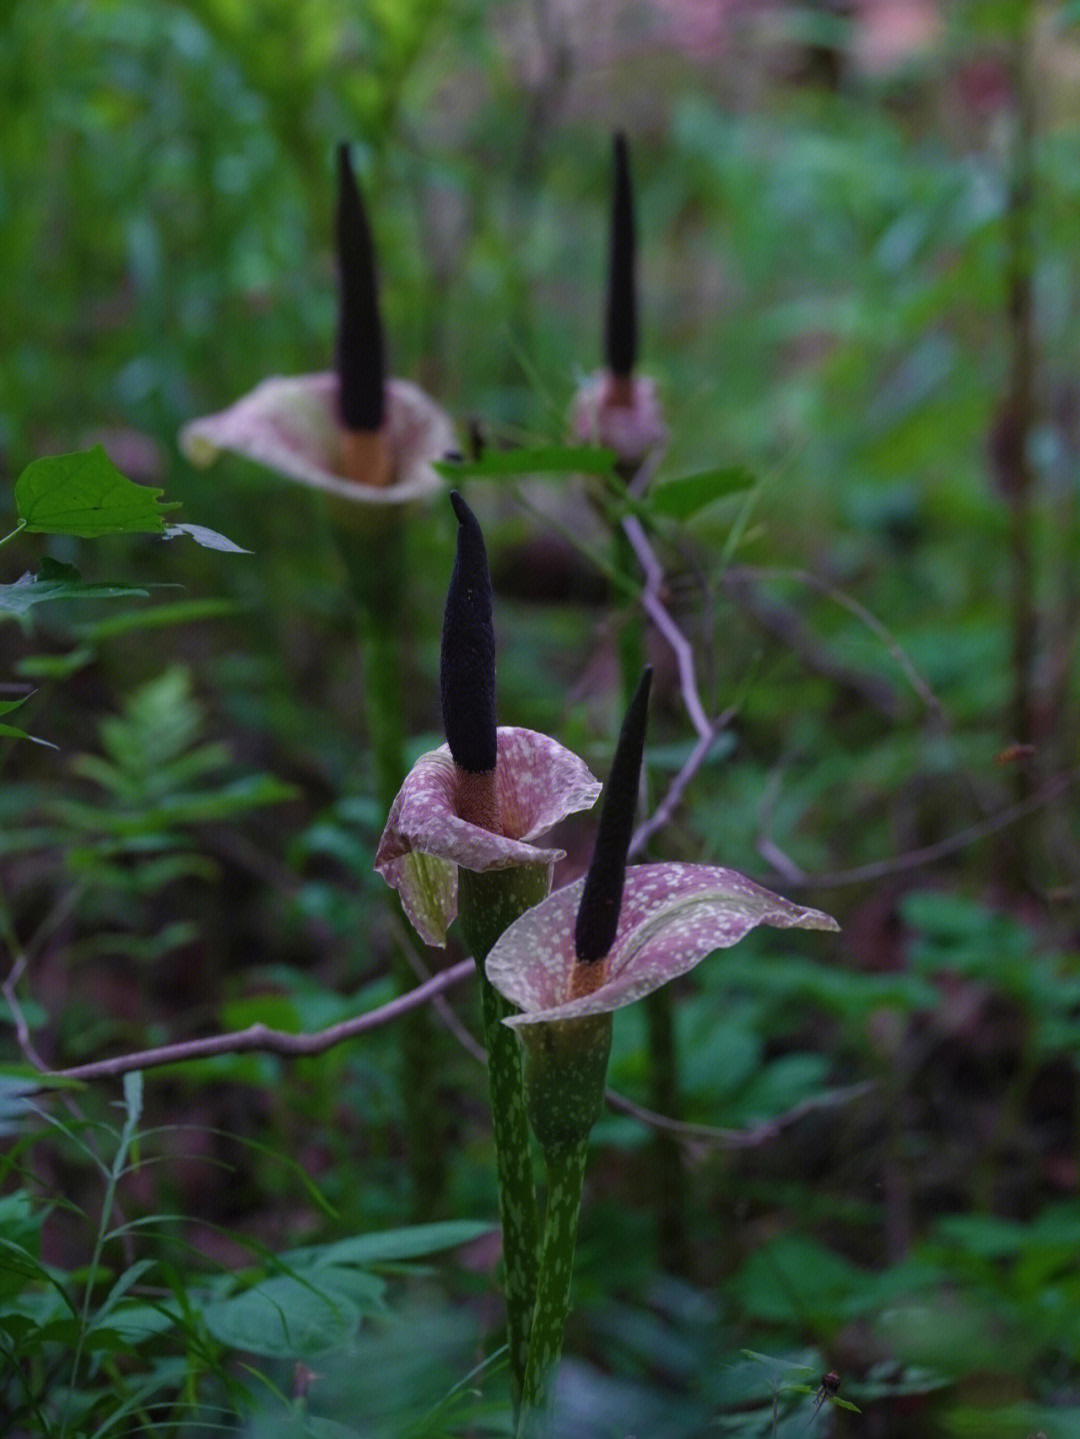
(567, 964)
(610, 939)
(672, 917)
(462, 828)
(353, 433)
(481, 800)
(615, 407)
(537, 784)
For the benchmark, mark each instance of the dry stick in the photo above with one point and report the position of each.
(931, 853)
(763, 1133)
(654, 607)
(22, 1028)
(664, 811)
(272, 1041)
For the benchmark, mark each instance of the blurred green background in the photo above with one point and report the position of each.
(858, 282)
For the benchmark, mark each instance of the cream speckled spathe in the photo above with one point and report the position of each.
(538, 782)
(291, 425)
(672, 916)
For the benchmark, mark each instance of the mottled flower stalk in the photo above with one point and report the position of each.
(487, 904)
(565, 1061)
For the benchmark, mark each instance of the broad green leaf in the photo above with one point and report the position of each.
(132, 1323)
(209, 539)
(544, 460)
(281, 1318)
(391, 1245)
(56, 581)
(682, 498)
(85, 495)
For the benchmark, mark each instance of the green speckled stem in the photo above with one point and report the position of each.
(564, 1065)
(566, 1174)
(488, 904)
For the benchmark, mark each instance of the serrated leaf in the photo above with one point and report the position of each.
(543, 460)
(56, 581)
(683, 498)
(85, 495)
(209, 539)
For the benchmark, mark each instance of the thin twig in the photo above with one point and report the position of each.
(763, 1133)
(929, 854)
(22, 1028)
(450, 1021)
(663, 812)
(271, 1041)
(654, 607)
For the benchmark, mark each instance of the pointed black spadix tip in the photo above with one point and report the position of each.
(601, 898)
(467, 671)
(620, 335)
(360, 361)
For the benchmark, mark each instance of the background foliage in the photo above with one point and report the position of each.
(828, 208)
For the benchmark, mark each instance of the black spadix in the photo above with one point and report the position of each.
(360, 361)
(601, 898)
(467, 670)
(621, 334)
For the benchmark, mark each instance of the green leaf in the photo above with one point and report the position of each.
(10, 731)
(56, 581)
(54, 667)
(391, 1245)
(209, 539)
(282, 1318)
(682, 498)
(85, 495)
(182, 613)
(544, 460)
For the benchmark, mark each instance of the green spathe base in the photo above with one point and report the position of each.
(488, 903)
(564, 1065)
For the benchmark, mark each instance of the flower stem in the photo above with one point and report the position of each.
(488, 904)
(376, 563)
(566, 1174)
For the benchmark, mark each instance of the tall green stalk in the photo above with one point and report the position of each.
(564, 1065)
(375, 559)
